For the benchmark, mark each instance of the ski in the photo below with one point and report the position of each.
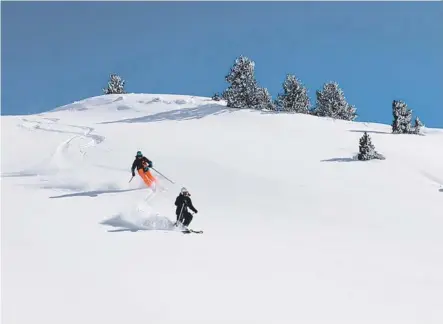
(186, 230)
(189, 231)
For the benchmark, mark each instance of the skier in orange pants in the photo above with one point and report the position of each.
(142, 164)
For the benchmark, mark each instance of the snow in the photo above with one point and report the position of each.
(295, 229)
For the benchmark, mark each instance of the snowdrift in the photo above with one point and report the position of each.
(295, 229)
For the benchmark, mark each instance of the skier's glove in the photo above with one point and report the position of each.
(150, 164)
(133, 174)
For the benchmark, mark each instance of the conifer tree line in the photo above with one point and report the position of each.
(245, 92)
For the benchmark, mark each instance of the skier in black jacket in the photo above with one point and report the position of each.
(183, 201)
(142, 164)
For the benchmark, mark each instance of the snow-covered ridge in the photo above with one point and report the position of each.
(124, 101)
(292, 224)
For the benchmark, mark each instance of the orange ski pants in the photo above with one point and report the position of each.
(147, 177)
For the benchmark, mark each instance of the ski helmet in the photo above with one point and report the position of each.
(139, 153)
(184, 191)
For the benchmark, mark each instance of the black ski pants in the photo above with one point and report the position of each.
(186, 218)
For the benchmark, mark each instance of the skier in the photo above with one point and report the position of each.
(143, 164)
(183, 201)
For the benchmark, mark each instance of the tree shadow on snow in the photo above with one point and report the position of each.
(94, 193)
(178, 114)
(368, 131)
(19, 174)
(340, 160)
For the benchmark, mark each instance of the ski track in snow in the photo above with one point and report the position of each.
(54, 126)
(58, 158)
(55, 170)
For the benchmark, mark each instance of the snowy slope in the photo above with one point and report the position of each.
(295, 230)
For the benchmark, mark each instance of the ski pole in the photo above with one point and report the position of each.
(163, 176)
(180, 216)
(131, 178)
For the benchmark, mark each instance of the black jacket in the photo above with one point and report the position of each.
(140, 164)
(185, 202)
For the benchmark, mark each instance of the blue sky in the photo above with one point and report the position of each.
(56, 53)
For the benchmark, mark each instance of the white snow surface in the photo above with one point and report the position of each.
(295, 229)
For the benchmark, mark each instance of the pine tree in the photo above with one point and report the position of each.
(115, 85)
(216, 97)
(331, 102)
(264, 100)
(367, 149)
(294, 97)
(417, 126)
(242, 93)
(402, 118)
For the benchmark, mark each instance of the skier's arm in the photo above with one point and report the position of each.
(133, 168)
(176, 201)
(148, 161)
(190, 205)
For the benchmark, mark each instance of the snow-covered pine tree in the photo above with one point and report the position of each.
(243, 89)
(331, 102)
(417, 126)
(367, 149)
(402, 118)
(115, 85)
(294, 97)
(216, 97)
(264, 100)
